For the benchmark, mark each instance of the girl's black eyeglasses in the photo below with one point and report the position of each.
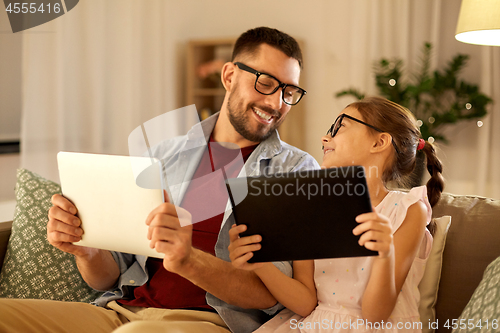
(338, 123)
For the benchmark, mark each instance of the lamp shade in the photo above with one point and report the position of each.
(479, 22)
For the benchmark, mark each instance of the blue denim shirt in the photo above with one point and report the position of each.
(180, 159)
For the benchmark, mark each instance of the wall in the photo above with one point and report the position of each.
(10, 81)
(329, 47)
(329, 38)
(10, 105)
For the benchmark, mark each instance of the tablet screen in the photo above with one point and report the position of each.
(304, 214)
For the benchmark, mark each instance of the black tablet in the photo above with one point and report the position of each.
(304, 214)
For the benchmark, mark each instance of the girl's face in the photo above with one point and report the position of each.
(351, 144)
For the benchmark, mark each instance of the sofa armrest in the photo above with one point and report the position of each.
(4, 239)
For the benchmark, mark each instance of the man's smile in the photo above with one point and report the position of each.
(263, 116)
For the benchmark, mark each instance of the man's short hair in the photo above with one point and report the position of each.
(250, 40)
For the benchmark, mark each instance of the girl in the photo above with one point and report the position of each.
(362, 294)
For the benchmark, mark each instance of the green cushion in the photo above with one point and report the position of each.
(483, 308)
(32, 267)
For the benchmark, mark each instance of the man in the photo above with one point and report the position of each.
(195, 280)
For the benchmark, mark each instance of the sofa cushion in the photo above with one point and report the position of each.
(32, 267)
(482, 313)
(472, 243)
(428, 287)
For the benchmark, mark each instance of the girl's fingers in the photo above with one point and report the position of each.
(242, 262)
(374, 236)
(241, 248)
(367, 216)
(383, 250)
(248, 240)
(235, 231)
(243, 241)
(371, 225)
(236, 240)
(375, 231)
(374, 246)
(377, 241)
(242, 251)
(371, 216)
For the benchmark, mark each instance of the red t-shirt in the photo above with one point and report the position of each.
(171, 291)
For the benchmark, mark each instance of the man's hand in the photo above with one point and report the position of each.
(64, 228)
(167, 236)
(216, 276)
(241, 248)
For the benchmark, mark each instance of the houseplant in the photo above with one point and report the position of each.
(437, 99)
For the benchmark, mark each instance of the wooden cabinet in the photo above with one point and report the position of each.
(205, 57)
(204, 87)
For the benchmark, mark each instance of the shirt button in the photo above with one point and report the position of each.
(132, 281)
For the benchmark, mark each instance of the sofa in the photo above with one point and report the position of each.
(471, 242)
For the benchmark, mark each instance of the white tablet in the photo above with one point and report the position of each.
(111, 205)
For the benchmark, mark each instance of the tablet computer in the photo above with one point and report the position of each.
(304, 214)
(111, 205)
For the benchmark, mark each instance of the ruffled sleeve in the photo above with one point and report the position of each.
(408, 199)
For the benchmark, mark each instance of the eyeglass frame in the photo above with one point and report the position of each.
(334, 132)
(280, 84)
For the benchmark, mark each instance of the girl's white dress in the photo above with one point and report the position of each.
(340, 284)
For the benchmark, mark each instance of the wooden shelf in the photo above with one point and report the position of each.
(206, 93)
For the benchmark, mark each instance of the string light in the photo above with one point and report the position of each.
(392, 82)
(420, 123)
(480, 123)
(468, 106)
(432, 120)
(430, 139)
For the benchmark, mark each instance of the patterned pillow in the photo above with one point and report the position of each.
(32, 267)
(482, 313)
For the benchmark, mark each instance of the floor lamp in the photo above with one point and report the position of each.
(479, 22)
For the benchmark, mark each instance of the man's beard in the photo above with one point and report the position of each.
(239, 118)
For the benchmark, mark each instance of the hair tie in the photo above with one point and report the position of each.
(421, 144)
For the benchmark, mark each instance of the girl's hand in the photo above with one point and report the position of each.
(376, 233)
(241, 248)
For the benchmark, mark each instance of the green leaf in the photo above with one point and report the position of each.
(350, 92)
(440, 94)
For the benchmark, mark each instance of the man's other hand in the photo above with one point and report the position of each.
(167, 236)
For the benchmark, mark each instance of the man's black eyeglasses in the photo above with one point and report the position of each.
(267, 84)
(338, 123)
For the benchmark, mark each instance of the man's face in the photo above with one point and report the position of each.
(253, 115)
